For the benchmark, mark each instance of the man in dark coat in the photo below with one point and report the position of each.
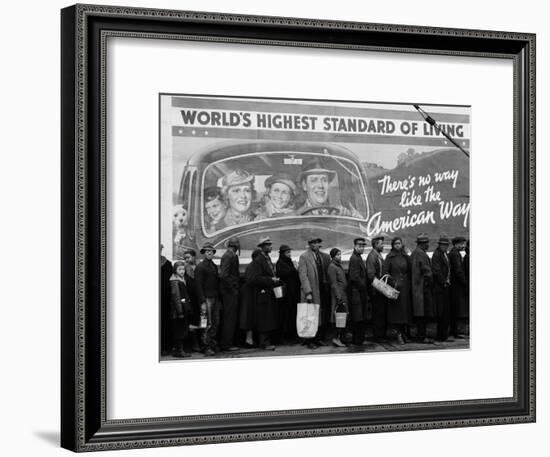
(360, 308)
(421, 285)
(374, 266)
(165, 274)
(460, 293)
(229, 290)
(207, 284)
(288, 274)
(441, 270)
(263, 280)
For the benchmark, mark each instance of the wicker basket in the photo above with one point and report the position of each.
(382, 286)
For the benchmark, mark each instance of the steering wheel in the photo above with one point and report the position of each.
(321, 211)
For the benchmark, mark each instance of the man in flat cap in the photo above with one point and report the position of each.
(262, 279)
(207, 286)
(374, 264)
(360, 309)
(421, 285)
(229, 290)
(238, 192)
(280, 193)
(460, 290)
(312, 270)
(441, 270)
(315, 180)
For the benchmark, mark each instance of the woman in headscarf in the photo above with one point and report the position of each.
(288, 273)
(338, 292)
(247, 319)
(280, 193)
(399, 313)
(180, 310)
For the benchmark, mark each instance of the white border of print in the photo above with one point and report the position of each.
(139, 70)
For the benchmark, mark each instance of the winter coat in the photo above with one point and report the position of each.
(261, 276)
(398, 265)
(441, 282)
(460, 291)
(310, 283)
(207, 280)
(338, 287)
(360, 305)
(421, 284)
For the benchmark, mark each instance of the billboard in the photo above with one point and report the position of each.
(297, 169)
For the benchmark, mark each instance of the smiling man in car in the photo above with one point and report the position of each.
(315, 181)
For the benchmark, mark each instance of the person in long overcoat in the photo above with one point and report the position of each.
(338, 291)
(247, 321)
(207, 282)
(190, 259)
(263, 280)
(312, 271)
(166, 270)
(360, 306)
(374, 264)
(421, 287)
(398, 265)
(288, 274)
(229, 291)
(460, 293)
(180, 309)
(441, 270)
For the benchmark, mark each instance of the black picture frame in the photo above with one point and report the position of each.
(84, 426)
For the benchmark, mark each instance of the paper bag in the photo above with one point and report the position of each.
(307, 319)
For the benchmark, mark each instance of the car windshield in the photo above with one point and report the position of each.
(280, 184)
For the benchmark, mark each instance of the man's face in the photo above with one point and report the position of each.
(208, 254)
(267, 247)
(288, 254)
(379, 246)
(189, 259)
(397, 245)
(443, 247)
(315, 246)
(240, 198)
(280, 194)
(359, 248)
(215, 209)
(461, 246)
(316, 188)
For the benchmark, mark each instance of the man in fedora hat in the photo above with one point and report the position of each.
(374, 265)
(459, 291)
(229, 290)
(207, 284)
(315, 180)
(421, 285)
(238, 192)
(360, 304)
(263, 279)
(312, 270)
(441, 270)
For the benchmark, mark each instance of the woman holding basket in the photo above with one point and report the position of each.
(338, 292)
(398, 265)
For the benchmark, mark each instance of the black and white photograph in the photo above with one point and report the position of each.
(305, 227)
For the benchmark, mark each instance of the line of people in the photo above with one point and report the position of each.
(208, 308)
